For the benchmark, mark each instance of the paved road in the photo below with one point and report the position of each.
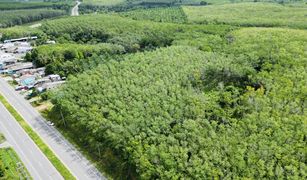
(75, 9)
(80, 167)
(34, 160)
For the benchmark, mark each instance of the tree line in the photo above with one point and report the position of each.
(18, 17)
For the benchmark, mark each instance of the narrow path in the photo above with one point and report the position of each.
(75, 9)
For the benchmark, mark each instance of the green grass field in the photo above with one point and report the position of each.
(10, 165)
(249, 14)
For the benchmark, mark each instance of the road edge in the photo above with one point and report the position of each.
(45, 149)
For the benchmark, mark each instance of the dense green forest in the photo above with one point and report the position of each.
(19, 31)
(67, 59)
(17, 17)
(34, 5)
(170, 14)
(125, 36)
(124, 5)
(131, 34)
(21, 12)
(182, 113)
(181, 89)
(89, 6)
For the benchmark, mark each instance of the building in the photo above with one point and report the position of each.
(54, 77)
(7, 45)
(6, 59)
(20, 66)
(30, 81)
(9, 72)
(22, 50)
(40, 71)
(49, 86)
(10, 49)
(37, 72)
(24, 72)
(20, 39)
(22, 44)
(52, 85)
(42, 81)
(26, 80)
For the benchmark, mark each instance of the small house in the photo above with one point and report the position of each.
(22, 50)
(54, 77)
(52, 85)
(42, 81)
(20, 39)
(20, 66)
(26, 80)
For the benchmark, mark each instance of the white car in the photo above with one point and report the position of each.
(50, 123)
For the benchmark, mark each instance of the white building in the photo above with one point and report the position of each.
(54, 77)
(22, 50)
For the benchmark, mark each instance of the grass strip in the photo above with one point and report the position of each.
(38, 141)
(2, 138)
(9, 168)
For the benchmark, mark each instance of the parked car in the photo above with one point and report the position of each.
(19, 88)
(50, 123)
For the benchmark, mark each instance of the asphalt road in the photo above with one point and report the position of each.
(78, 165)
(34, 160)
(75, 9)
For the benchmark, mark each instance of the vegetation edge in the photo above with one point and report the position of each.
(56, 162)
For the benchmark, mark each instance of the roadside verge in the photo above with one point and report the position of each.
(38, 141)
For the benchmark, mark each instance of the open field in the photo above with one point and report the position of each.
(249, 14)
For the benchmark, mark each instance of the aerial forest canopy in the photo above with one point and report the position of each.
(65, 59)
(179, 89)
(179, 112)
(18, 17)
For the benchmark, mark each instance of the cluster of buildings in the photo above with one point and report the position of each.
(24, 73)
